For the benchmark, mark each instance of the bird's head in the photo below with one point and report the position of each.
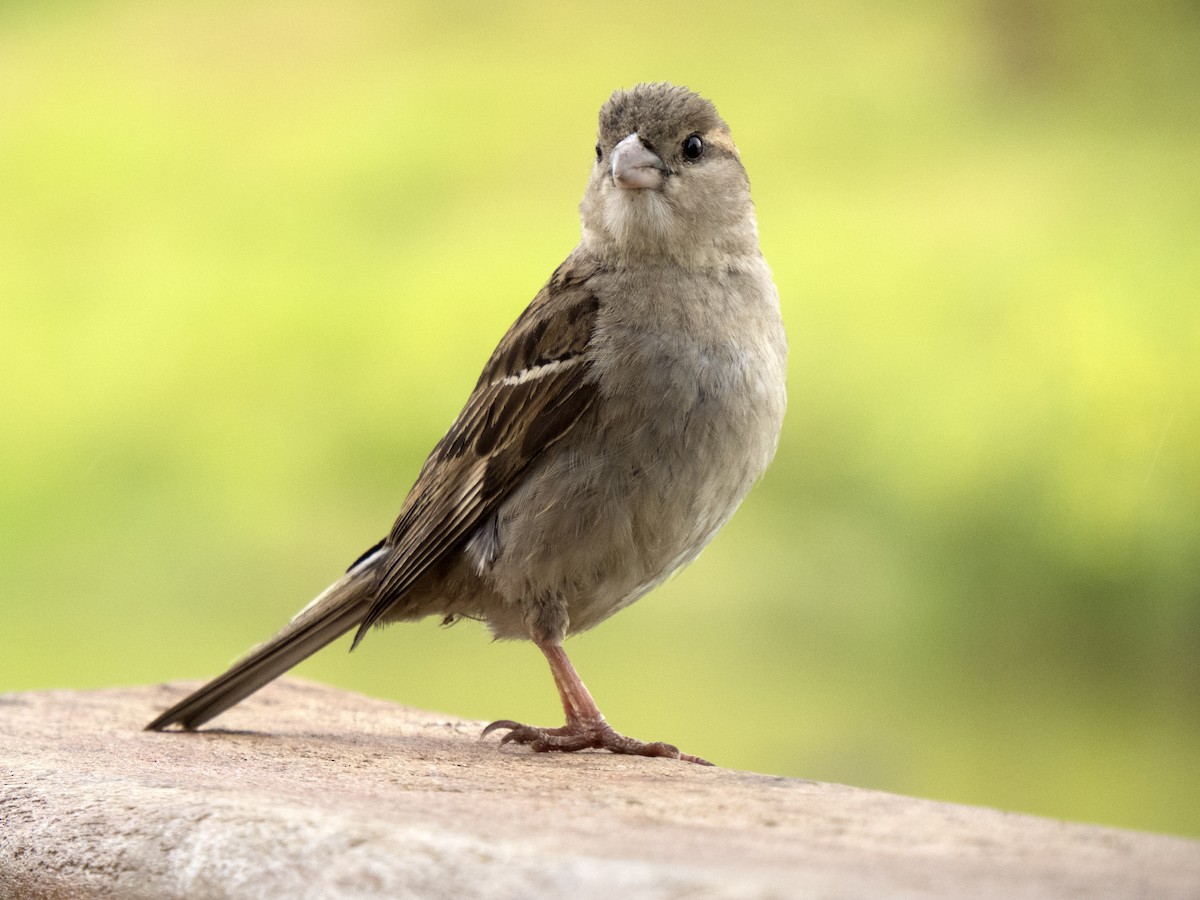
(667, 184)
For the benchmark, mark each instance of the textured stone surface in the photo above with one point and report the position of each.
(304, 791)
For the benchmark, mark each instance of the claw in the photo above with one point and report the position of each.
(500, 723)
(596, 735)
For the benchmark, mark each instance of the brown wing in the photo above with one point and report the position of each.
(532, 391)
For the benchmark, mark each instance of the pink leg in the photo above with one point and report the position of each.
(576, 698)
(585, 728)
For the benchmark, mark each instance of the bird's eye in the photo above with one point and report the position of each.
(599, 152)
(693, 147)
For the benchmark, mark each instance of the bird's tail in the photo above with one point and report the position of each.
(339, 608)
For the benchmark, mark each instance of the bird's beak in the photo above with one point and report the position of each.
(634, 166)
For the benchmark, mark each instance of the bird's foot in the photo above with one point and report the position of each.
(585, 735)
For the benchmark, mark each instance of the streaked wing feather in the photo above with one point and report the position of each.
(533, 390)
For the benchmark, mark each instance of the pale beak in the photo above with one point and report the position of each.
(634, 167)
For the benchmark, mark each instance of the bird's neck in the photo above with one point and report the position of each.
(730, 248)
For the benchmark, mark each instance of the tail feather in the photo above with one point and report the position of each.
(335, 611)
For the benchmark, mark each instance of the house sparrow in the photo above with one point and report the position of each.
(614, 430)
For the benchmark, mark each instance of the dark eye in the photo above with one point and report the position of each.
(693, 147)
(599, 152)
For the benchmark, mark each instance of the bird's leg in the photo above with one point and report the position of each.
(585, 727)
(581, 710)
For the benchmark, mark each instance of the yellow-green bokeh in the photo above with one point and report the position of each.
(252, 256)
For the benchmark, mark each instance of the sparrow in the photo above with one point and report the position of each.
(617, 426)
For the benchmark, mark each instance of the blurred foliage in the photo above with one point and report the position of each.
(252, 256)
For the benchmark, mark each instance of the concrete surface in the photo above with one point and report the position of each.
(305, 791)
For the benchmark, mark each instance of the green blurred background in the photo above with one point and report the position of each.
(252, 256)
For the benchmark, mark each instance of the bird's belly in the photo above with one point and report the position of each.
(607, 520)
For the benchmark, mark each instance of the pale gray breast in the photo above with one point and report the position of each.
(687, 421)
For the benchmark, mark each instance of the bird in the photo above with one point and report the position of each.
(614, 430)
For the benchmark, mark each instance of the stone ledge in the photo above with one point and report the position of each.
(338, 795)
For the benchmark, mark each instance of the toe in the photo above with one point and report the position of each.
(575, 736)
